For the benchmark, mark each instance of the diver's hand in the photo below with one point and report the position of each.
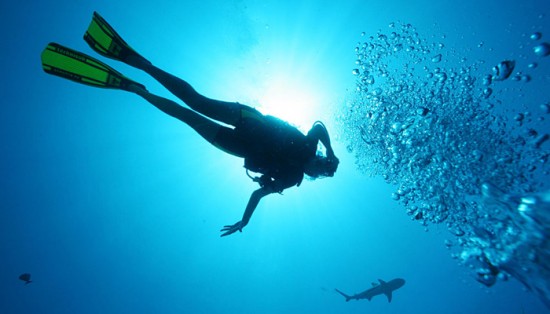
(229, 229)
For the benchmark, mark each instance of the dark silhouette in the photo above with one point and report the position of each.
(268, 145)
(26, 277)
(382, 288)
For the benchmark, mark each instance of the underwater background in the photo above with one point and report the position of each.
(114, 207)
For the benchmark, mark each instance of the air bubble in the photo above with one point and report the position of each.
(436, 128)
(536, 36)
(503, 70)
(487, 92)
(436, 58)
(542, 50)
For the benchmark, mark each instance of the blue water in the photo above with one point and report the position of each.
(114, 207)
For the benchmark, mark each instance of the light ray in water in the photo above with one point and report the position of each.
(429, 127)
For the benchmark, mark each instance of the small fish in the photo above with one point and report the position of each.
(26, 277)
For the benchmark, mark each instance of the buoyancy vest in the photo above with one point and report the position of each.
(278, 151)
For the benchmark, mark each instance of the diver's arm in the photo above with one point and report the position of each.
(250, 207)
(319, 132)
(253, 203)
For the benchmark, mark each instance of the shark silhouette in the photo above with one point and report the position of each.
(382, 288)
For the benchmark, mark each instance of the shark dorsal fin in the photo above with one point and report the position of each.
(374, 284)
(382, 282)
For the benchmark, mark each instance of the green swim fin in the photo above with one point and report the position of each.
(106, 41)
(81, 68)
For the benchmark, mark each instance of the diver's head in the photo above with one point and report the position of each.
(320, 166)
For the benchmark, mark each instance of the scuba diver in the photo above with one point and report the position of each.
(269, 146)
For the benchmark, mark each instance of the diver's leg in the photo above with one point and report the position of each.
(226, 112)
(220, 136)
(104, 39)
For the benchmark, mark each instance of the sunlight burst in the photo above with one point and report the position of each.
(290, 100)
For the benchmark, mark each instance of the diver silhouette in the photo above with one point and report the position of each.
(269, 146)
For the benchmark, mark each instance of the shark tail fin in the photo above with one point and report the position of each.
(345, 295)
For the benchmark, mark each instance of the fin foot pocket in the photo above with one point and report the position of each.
(103, 38)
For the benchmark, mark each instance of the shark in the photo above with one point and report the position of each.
(377, 288)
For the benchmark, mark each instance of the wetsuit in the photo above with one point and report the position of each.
(269, 146)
